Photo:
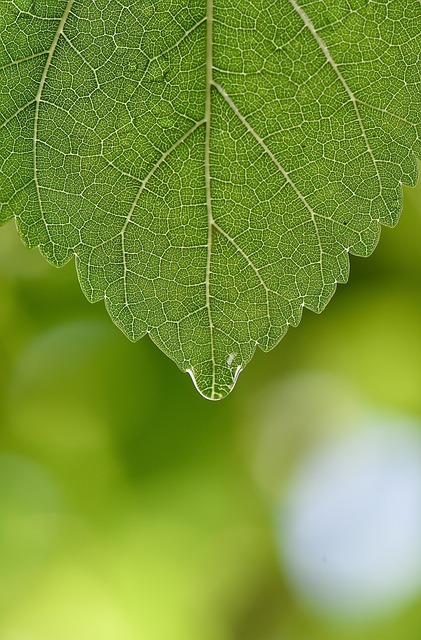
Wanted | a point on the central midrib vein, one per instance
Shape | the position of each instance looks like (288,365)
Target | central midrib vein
(208,116)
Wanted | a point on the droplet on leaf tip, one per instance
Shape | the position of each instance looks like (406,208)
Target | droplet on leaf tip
(216,393)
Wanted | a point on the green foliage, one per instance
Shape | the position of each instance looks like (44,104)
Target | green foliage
(210,165)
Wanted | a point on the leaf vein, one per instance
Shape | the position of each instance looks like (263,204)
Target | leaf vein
(323,46)
(285,174)
(37,107)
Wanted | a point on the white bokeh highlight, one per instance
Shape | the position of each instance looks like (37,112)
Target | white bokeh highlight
(349,527)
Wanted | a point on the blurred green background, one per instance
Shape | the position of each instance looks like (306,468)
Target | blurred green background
(131,508)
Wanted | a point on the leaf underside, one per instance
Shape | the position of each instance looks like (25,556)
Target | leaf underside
(210,164)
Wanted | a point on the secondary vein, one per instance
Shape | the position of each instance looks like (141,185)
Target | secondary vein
(334,65)
(38,101)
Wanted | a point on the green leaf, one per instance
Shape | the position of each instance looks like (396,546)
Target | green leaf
(210,165)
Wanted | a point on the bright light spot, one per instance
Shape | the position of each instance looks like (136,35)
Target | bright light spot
(350,528)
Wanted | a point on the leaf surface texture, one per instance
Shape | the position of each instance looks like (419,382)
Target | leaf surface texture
(210,164)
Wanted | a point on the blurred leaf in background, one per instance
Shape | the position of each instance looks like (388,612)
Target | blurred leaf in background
(131,508)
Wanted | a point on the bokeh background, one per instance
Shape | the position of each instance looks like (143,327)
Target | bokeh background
(133,509)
